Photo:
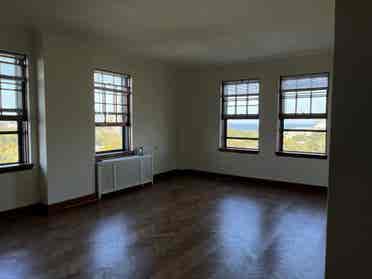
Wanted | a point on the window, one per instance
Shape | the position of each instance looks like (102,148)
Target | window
(14,140)
(240,115)
(112,93)
(303,115)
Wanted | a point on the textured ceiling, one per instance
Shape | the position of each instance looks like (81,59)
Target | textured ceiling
(193,31)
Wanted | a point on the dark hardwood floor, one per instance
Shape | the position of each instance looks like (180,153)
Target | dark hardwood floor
(182,227)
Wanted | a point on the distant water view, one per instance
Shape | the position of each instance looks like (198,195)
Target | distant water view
(247,125)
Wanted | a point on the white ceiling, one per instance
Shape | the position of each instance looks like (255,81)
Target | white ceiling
(193,31)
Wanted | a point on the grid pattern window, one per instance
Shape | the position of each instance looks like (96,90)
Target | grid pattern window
(13,113)
(303,114)
(112,95)
(240,115)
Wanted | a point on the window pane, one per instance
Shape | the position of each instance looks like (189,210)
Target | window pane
(289,84)
(10,84)
(241,101)
(10,70)
(230,105)
(321,81)
(109,108)
(109,98)
(8,126)
(290,106)
(252,109)
(108,79)
(98,108)
(244,103)
(305,142)
(301,82)
(109,139)
(230,101)
(242,144)
(8,99)
(110,118)
(304,82)
(242,128)
(253,104)
(229,89)
(242,88)
(305,124)
(119,109)
(7,59)
(306,101)
(241,110)
(98,98)
(303,102)
(119,99)
(289,102)
(98,77)
(319,102)
(254,87)
(118,80)
(9,149)
(230,110)
(100,118)
(10,95)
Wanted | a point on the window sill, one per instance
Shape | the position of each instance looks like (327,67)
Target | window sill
(237,150)
(113,155)
(302,155)
(15,167)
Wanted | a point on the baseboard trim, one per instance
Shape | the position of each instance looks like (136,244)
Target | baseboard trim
(214,175)
(167,174)
(76,202)
(33,209)
(131,189)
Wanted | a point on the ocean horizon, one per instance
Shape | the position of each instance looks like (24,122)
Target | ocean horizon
(298,124)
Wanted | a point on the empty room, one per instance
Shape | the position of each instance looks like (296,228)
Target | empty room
(185,139)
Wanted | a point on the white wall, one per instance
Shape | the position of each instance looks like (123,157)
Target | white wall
(69,112)
(21,188)
(198,135)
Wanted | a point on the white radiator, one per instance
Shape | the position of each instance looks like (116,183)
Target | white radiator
(121,173)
